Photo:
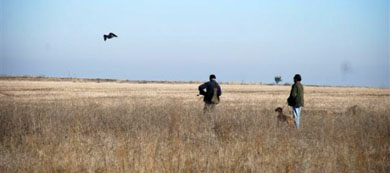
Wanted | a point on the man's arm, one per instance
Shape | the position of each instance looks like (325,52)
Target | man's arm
(219,91)
(303,98)
(294,91)
(201,89)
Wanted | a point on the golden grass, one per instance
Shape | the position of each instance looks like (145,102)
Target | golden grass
(64,126)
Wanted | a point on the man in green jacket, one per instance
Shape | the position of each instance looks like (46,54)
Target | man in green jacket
(296,100)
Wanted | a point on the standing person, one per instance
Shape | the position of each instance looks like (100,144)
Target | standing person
(211,95)
(295,100)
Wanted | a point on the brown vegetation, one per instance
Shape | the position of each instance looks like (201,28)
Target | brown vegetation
(56,126)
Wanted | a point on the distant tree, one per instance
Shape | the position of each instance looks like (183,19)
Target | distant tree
(278,79)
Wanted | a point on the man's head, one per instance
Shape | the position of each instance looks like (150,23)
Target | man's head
(297,78)
(212,77)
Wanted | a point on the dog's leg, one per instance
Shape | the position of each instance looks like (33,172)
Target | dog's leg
(290,122)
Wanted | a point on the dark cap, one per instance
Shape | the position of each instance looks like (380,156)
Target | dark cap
(212,76)
(297,77)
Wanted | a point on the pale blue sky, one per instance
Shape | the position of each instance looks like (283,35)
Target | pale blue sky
(332,42)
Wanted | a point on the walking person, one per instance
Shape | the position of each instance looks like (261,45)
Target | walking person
(295,100)
(211,95)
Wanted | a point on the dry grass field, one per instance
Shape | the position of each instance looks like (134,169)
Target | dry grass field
(65,126)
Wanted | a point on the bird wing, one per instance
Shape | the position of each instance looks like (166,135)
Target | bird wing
(113,34)
(105,37)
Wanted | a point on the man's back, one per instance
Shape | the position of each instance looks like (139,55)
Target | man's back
(297,94)
(208,94)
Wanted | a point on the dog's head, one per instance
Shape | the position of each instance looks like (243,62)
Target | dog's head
(279,109)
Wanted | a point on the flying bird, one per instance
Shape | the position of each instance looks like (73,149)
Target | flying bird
(109,36)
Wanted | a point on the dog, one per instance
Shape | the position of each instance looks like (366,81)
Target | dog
(284,118)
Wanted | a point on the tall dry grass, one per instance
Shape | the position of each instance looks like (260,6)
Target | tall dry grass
(122,127)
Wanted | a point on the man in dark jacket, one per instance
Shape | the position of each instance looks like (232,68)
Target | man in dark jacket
(211,95)
(296,100)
